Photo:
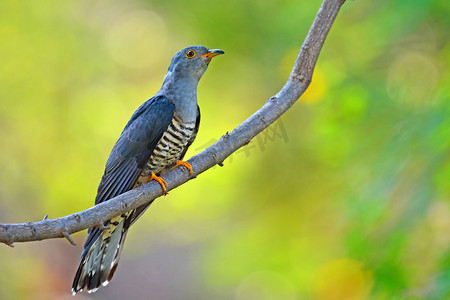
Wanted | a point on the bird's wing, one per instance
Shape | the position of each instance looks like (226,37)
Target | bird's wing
(134,147)
(132,151)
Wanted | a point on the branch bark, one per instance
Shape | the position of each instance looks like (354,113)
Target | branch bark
(296,85)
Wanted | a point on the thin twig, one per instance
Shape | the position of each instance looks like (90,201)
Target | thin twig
(69,238)
(9,244)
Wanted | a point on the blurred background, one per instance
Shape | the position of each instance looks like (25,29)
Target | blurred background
(347,196)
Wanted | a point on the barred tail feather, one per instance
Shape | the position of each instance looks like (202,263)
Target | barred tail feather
(100,260)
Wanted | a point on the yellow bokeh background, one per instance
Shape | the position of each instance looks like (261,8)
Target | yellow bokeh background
(345,197)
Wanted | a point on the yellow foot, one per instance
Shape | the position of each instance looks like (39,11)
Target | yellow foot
(183,163)
(161,181)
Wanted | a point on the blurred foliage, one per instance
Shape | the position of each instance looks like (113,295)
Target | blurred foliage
(346,197)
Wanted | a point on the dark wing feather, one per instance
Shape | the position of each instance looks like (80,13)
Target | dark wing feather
(134,147)
(132,151)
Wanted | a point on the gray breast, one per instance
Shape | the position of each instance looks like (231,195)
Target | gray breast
(169,148)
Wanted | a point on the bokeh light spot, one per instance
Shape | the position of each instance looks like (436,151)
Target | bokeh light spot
(316,90)
(319,85)
(138,39)
(438,216)
(412,79)
(342,279)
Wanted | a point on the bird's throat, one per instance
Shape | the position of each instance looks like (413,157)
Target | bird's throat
(182,92)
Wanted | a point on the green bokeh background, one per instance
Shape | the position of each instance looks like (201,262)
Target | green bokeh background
(345,197)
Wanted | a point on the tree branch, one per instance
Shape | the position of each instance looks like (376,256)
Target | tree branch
(296,85)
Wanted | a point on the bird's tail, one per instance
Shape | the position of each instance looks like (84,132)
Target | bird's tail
(100,257)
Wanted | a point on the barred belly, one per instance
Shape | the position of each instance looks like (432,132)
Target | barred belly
(169,148)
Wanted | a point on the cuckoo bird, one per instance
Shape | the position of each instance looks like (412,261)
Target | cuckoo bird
(154,140)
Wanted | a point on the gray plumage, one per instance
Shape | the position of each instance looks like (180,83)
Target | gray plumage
(158,134)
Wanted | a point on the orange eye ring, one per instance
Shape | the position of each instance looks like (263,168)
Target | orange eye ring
(190,53)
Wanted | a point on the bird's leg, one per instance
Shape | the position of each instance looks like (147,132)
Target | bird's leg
(183,163)
(161,181)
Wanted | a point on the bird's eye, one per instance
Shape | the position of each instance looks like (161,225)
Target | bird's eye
(190,53)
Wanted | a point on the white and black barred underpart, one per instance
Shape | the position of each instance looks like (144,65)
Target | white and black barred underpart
(170,148)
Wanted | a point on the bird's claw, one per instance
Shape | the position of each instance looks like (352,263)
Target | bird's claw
(161,181)
(183,163)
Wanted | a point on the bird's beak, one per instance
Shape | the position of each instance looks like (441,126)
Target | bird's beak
(213,52)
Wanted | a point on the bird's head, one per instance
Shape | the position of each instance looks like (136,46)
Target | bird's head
(192,61)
